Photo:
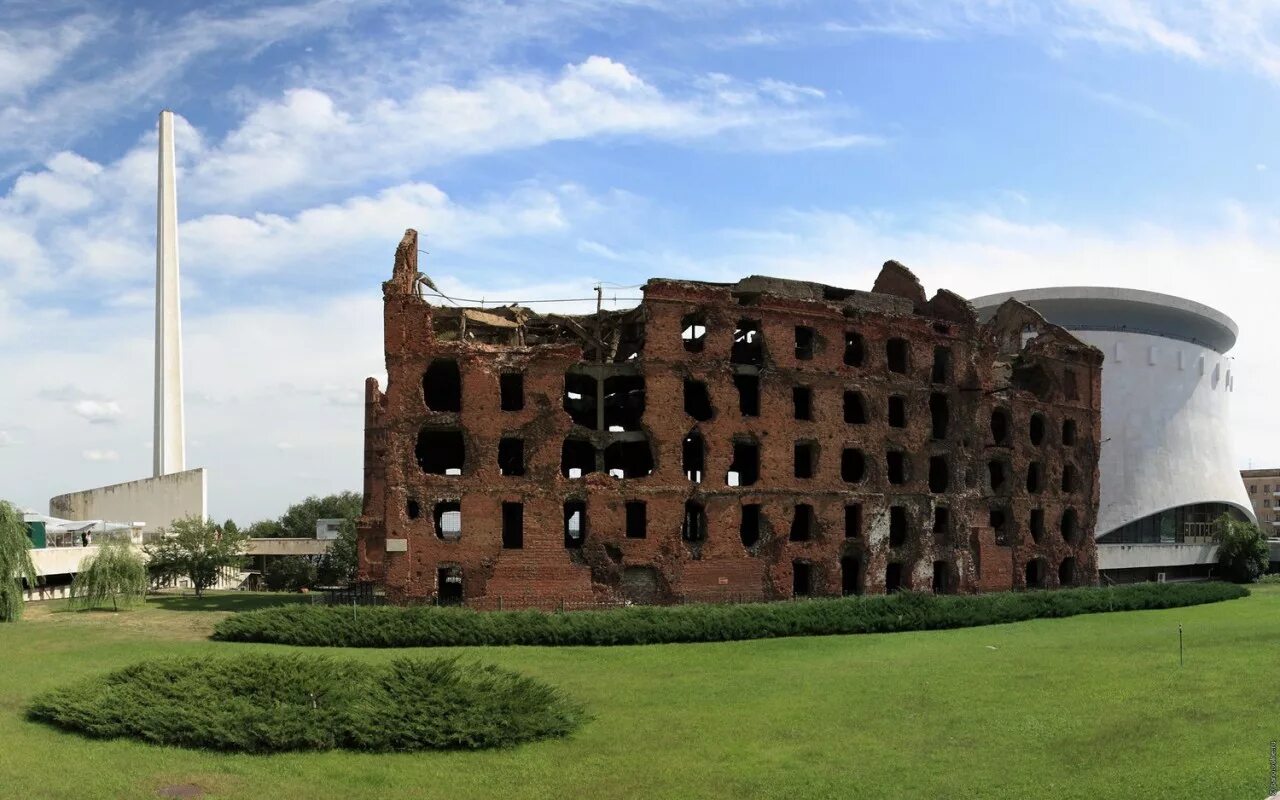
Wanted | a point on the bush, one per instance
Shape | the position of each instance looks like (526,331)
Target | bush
(389,626)
(1242,549)
(290,574)
(261,703)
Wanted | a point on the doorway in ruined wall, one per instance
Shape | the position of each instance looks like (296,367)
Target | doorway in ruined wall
(449,585)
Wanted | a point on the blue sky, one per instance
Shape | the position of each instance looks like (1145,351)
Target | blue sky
(541,147)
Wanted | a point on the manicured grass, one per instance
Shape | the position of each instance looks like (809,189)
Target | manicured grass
(426,626)
(1086,707)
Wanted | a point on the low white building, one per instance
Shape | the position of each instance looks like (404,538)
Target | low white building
(1166,467)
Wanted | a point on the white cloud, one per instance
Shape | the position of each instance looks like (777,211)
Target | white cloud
(28,56)
(100,455)
(7,439)
(307,139)
(98,412)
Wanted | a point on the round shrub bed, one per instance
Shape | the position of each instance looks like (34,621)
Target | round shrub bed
(264,703)
(389,626)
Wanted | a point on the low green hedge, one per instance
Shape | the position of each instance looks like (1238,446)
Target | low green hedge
(261,703)
(390,626)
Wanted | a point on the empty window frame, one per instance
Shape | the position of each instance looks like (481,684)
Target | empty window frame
(442,385)
(693,332)
(897,411)
(897,526)
(853,465)
(744,470)
(939,474)
(805,338)
(805,459)
(998,520)
(942,582)
(694,526)
(899,471)
(637,520)
(412,509)
(629,459)
(512,526)
(853,521)
(1070,526)
(802,523)
(802,402)
(1070,478)
(441,452)
(998,474)
(748,387)
(855,408)
(577,458)
(748,343)
(580,401)
(801,579)
(1035,477)
(855,348)
(575,524)
(511,391)
(893,578)
(697,400)
(448,519)
(511,456)
(897,354)
(749,525)
(1067,572)
(693,457)
(939,415)
(623,402)
(1070,390)
(1035,429)
(941,372)
(1068,432)
(850,575)
(1000,426)
(942,522)
(1035,574)
(1035,524)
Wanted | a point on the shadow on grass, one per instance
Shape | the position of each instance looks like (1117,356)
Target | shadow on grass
(223,601)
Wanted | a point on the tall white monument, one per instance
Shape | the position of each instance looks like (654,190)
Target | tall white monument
(169,449)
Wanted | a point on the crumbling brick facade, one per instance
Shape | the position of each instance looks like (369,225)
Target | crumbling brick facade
(751,441)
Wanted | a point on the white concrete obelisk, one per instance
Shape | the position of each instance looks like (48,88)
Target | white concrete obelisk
(169,449)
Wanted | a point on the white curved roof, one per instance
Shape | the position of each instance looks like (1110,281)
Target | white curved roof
(1108,308)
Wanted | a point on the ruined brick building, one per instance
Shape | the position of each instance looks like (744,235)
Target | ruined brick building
(760,440)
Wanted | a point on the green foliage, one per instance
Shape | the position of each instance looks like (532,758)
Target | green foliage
(388,626)
(1242,549)
(1272,578)
(338,566)
(299,519)
(197,549)
(231,527)
(117,573)
(261,703)
(15,562)
(289,574)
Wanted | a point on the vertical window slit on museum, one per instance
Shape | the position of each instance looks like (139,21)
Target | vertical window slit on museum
(896,461)
(697,400)
(744,470)
(939,415)
(850,575)
(854,348)
(801,579)
(853,521)
(806,458)
(694,527)
(897,411)
(941,372)
(802,402)
(897,355)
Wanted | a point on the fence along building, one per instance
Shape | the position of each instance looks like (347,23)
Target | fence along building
(760,440)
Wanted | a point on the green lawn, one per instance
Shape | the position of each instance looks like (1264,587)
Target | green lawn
(1085,707)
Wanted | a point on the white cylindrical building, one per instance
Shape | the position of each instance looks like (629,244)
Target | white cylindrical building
(1166,467)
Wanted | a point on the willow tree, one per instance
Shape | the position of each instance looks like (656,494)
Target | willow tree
(15,562)
(116,572)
